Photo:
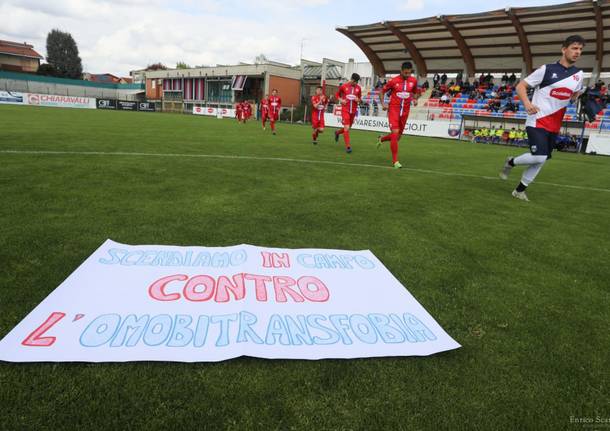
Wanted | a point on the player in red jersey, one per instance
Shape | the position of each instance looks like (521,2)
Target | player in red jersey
(238,111)
(275,105)
(319,102)
(246,110)
(403,91)
(264,111)
(349,96)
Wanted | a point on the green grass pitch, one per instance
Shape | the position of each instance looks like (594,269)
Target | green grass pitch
(524,287)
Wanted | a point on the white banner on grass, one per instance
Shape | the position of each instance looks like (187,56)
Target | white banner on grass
(209,111)
(438,129)
(56,101)
(599,144)
(190,304)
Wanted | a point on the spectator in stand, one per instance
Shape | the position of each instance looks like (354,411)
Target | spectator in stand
(443,78)
(459,78)
(599,84)
(482,79)
(493,94)
(473,95)
(493,105)
(425,85)
(504,78)
(444,99)
(436,80)
(489,79)
(512,79)
(509,107)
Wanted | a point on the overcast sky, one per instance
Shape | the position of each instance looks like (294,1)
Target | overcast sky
(118,36)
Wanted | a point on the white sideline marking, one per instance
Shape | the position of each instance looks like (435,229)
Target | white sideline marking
(280,159)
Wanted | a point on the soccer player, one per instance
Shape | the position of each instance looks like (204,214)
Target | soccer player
(265,111)
(349,96)
(556,84)
(275,105)
(238,111)
(319,102)
(246,110)
(403,91)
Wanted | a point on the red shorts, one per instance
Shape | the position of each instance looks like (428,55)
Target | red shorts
(396,120)
(347,119)
(274,117)
(317,120)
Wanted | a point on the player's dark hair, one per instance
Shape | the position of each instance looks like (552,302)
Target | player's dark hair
(320,87)
(355,77)
(575,38)
(406,65)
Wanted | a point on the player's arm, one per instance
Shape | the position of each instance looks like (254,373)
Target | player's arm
(339,96)
(416,94)
(387,87)
(579,91)
(531,81)
(522,88)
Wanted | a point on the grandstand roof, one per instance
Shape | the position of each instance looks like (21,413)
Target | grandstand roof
(503,40)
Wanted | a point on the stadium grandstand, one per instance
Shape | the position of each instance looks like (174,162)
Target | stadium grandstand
(475,60)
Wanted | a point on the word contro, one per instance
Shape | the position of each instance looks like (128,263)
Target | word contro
(184,330)
(201,288)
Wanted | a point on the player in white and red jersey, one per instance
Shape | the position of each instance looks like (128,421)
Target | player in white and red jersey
(349,96)
(556,85)
(403,92)
(319,102)
(275,106)
(264,110)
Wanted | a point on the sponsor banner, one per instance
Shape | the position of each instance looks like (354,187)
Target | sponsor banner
(106,103)
(146,106)
(213,112)
(60,101)
(439,129)
(125,105)
(599,144)
(192,304)
(13,98)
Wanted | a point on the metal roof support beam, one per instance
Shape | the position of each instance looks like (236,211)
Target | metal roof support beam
(462,45)
(599,43)
(422,68)
(370,54)
(525,46)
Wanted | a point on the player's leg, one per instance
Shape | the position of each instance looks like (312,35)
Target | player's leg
(314,126)
(541,146)
(264,121)
(345,123)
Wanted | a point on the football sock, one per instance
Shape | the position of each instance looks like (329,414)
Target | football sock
(394,147)
(346,137)
(521,187)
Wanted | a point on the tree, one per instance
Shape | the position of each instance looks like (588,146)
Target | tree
(182,65)
(156,66)
(46,69)
(261,59)
(62,54)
